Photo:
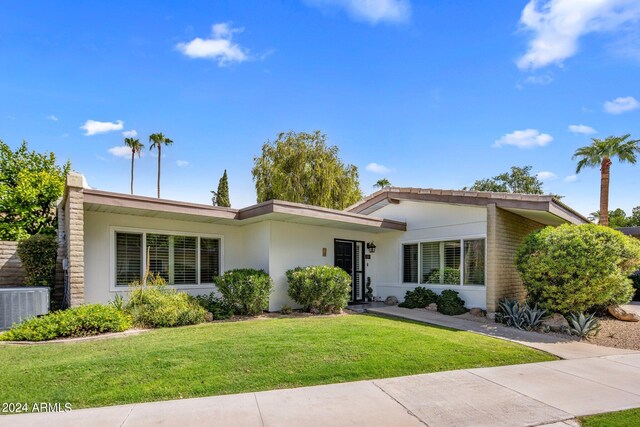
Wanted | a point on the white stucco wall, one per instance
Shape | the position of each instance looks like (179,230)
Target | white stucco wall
(425,221)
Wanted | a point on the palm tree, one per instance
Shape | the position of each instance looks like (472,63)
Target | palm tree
(382,183)
(136,148)
(157,141)
(600,152)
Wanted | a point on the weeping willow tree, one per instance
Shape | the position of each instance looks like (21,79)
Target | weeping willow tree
(302,168)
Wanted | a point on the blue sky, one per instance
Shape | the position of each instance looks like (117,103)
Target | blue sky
(425,93)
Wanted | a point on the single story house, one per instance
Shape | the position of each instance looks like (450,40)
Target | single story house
(400,238)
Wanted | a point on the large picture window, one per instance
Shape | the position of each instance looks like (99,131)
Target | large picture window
(180,260)
(447,262)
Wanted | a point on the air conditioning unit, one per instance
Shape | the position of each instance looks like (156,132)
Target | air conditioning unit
(17,304)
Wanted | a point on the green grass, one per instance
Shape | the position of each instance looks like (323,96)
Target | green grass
(234,357)
(630,418)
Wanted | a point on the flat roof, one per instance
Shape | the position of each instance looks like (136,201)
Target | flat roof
(105,201)
(534,206)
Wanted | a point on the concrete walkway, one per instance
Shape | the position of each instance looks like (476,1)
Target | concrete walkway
(519,395)
(558,345)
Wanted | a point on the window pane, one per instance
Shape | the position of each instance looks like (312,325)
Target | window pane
(128,258)
(474,262)
(209,260)
(431,272)
(451,267)
(184,260)
(158,250)
(410,266)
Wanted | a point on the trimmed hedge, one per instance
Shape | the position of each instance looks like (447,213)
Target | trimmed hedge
(577,268)
(323,288)
(158,306)
(218,307)
(450,303)
(246,290)
(80,321)
(38,256)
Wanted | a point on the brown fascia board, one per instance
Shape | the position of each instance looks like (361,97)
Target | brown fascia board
(474,198)
(150,203)
(268,207)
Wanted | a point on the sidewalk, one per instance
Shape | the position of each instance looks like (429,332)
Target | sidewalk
(519,395)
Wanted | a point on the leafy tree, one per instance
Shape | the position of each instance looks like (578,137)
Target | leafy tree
(618,218)
(30,184)
(382,183)
(518,180)
(600,153)
(300,167)
(222,195)
(157,140)
(136,148)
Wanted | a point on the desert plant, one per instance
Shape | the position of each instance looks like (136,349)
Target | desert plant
(80,321)
(218,307)
(420,297)
(157,305)
(323,288)
(38,257)
(532,316)
(511,313)
(577,267)
(582,325)
(246,289)
(369,290)
(450,303)
(118,302)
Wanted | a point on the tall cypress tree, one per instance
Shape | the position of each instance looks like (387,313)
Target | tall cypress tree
(222,195)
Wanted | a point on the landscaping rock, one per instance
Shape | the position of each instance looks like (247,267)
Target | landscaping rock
(478,312)
(391,300)
(433,307)
(620,314)
(556,323)
(209,316)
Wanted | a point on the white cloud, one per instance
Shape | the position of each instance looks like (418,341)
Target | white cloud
(621,105)
(120,151)
(376,168)
(52,118)
(130,133)
(557,26)
(583,129)
(93,127)
(546,176)
(541,80)
(571,178)
(182,163)
(219,47)
(527,138)
(372,11)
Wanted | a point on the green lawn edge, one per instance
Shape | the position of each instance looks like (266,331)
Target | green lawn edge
(628,418)
(245,356)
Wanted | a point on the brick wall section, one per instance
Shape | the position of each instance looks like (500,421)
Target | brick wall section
(11,271)
(505,231)
(74,239)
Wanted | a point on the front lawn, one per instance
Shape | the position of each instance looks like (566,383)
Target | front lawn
(630,418)
(234,357)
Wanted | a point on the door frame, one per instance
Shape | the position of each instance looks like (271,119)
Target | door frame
(353,268)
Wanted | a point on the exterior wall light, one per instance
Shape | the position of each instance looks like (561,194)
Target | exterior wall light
(372,247)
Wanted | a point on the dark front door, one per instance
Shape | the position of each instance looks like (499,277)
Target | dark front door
(349,256)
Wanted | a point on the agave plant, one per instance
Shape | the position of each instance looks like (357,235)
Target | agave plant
(532,317)
(511,313)
(582,325)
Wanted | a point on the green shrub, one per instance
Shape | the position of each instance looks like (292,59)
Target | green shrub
(286,310)
(320,288)
(38,257)
(217,306)
(80,321)
(418,298)
(577,267)
(158,306)
(246,289)
(450,303)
